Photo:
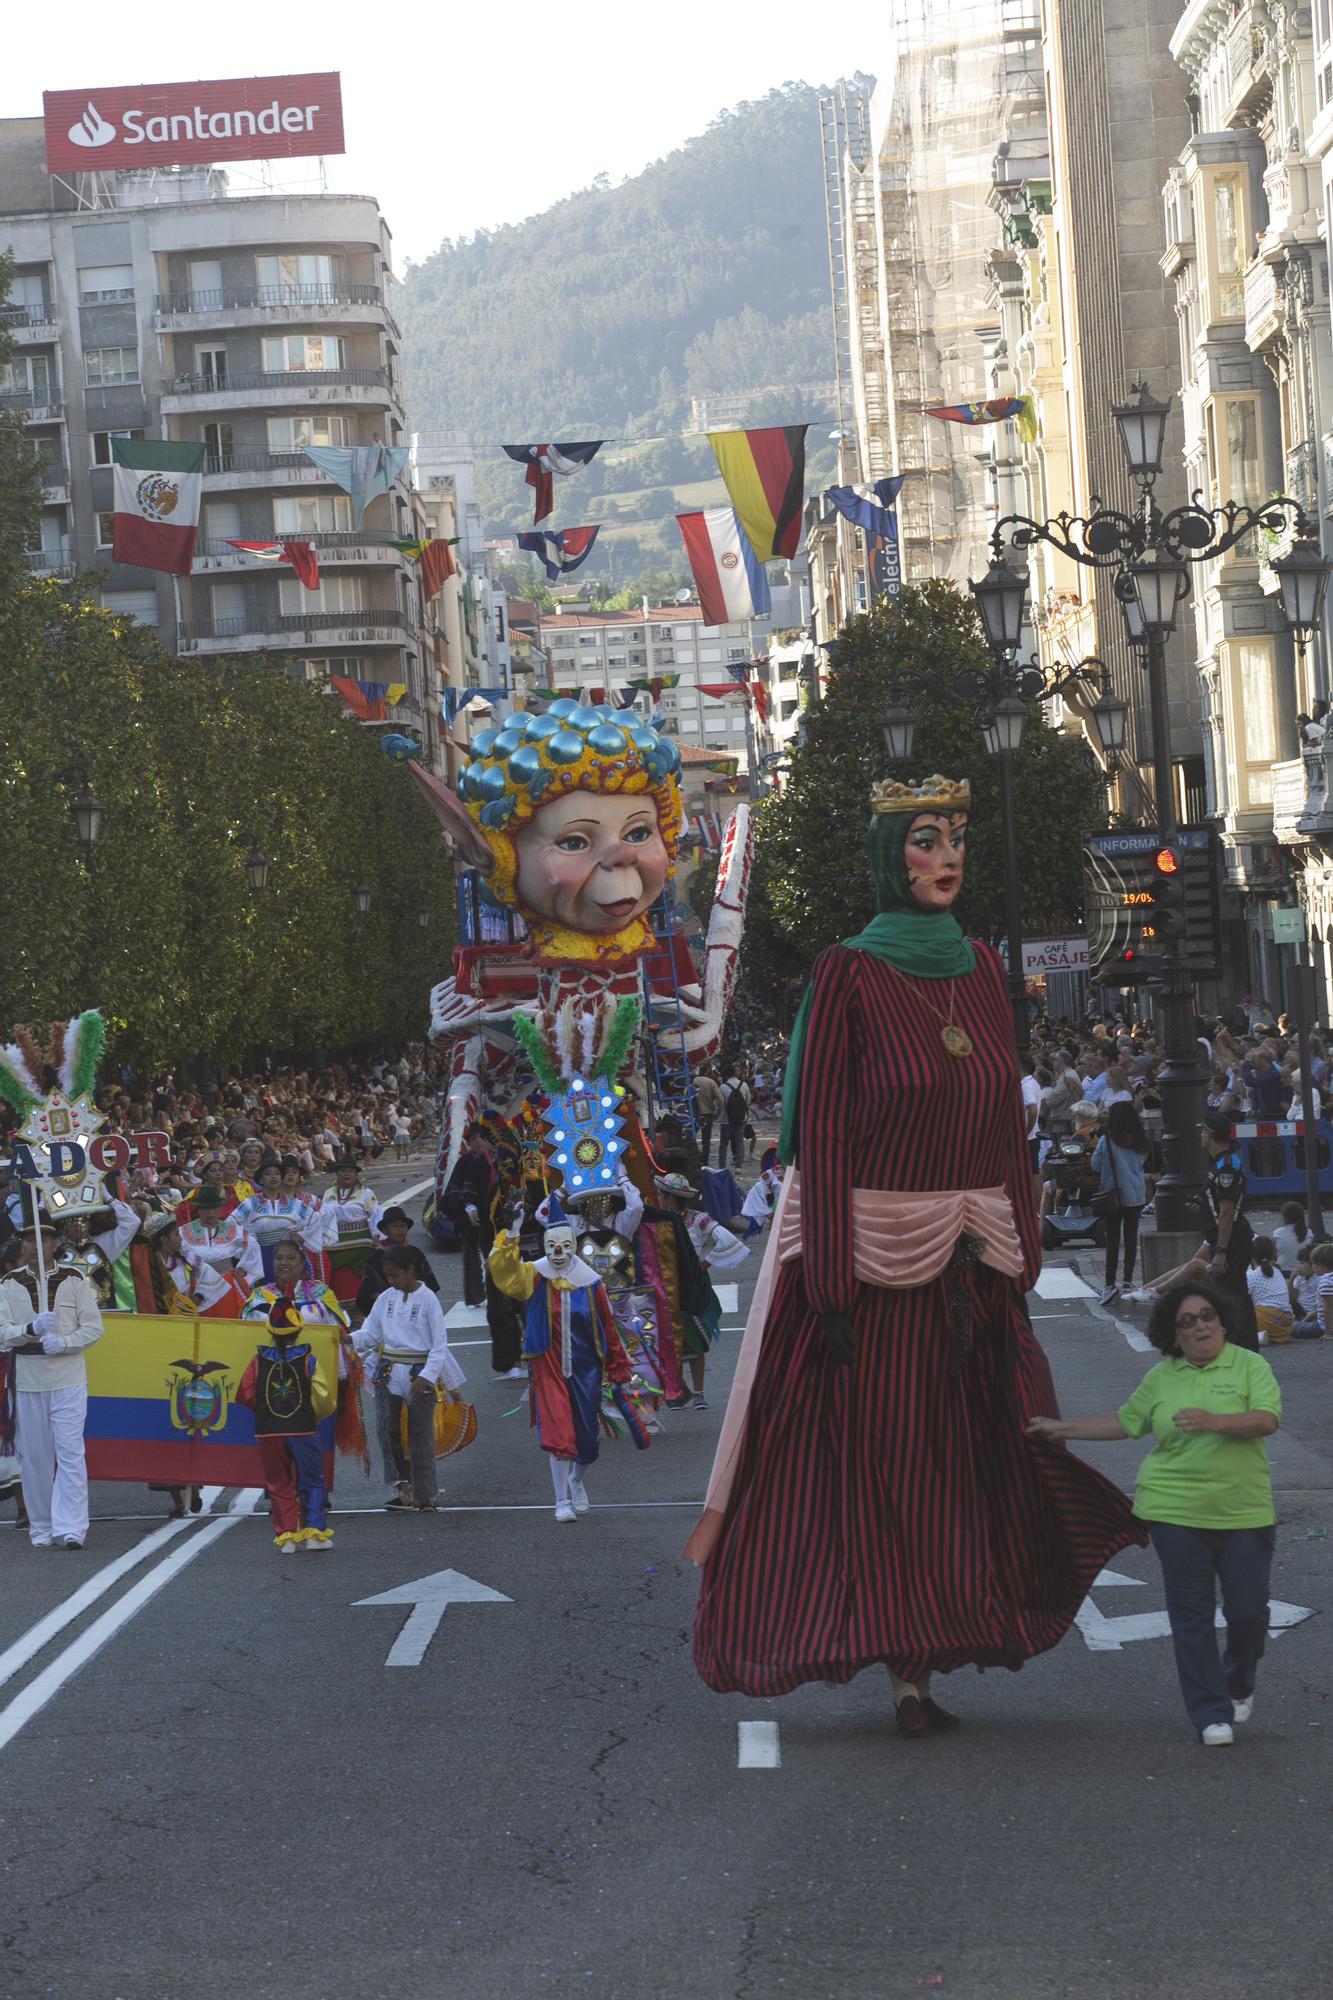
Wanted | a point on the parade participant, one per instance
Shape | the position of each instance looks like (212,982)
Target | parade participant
(51,1384)
(572,1345)
(467,1201)
(272,1217)
(875,1498)
(212,1173)
(203,1288)
(606,1221)
(1230,1237)
(1205,1491)
(288,1392)
(352,1225)
(250,1160)
(406,1333)
(700,1243)
(221,1242)
(395,1224)
(315,1303)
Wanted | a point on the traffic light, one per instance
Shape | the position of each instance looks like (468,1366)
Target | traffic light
(1167,919)
(1126,967)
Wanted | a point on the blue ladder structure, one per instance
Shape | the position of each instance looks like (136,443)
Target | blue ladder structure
(669,1076)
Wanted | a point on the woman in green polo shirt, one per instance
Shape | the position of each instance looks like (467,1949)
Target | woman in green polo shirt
(1205,1492)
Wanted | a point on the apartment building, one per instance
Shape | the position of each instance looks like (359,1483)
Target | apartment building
(1246,206)
(254,324)
(594,652)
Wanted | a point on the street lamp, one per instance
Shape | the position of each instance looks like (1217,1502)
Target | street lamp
(899,726)
(1002,598)
(256,870)
(1110,718)
(1142,427)
(1302,576)
(1150,552)
(362,894)
(88,811)
(423,917)
(1004,730)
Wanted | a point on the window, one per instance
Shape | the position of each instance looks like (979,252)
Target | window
(335,593)
(228,607)
(106,530)
(298,353)
(295,433)
(140,605)
(218,453)
(1242,428)
(222,521)
(1227,223)
(26,290)
(210,365)
(105,366)
(101,443)
(320,514)
(106,284)
(1258,731)
(28,376)
(205,283)
(295,279)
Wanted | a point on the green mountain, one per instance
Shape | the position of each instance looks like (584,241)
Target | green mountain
(703,275)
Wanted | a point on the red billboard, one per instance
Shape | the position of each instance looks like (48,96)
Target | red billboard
(193,124)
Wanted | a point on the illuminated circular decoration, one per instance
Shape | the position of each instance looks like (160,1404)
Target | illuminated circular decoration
(588,1152)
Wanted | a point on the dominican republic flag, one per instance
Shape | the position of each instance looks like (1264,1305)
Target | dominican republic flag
(301,556)
(543,461)
(874,509)
(561,552)
(157,491)
(728,575)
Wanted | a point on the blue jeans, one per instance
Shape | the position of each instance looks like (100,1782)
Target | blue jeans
(1307,1329)
(1194,1562)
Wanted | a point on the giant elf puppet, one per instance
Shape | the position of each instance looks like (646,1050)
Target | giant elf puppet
(571,819)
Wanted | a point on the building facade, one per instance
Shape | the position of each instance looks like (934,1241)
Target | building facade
(254,325)
(596,653)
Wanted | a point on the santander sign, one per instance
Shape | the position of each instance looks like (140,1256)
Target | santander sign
(193,124)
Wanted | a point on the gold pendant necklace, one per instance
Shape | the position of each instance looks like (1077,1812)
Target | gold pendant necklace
(956,1040)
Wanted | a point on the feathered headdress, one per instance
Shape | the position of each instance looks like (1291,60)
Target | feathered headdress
(68,1062)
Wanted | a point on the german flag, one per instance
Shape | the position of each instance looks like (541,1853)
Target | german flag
(765,478)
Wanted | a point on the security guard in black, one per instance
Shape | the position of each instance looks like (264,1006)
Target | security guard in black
(1229,1232)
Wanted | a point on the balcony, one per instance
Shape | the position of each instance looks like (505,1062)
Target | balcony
(387,627)
(1303,799)
(351,546)
(32,407)
(1248,72)
(1301,472)
(29,326)
(279,389)
(1264,309)
(230,471)
(54,476)
(267,305)
(51,562)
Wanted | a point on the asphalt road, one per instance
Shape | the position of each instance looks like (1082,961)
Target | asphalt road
(231,1796)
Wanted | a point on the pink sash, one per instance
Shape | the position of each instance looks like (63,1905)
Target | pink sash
(899,1241)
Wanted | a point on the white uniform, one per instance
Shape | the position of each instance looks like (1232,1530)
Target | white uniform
(52,1403)
(409,1327)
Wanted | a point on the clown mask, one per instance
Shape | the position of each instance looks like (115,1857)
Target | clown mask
(558,1243)
(592,863)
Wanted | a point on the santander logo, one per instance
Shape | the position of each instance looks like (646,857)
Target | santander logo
(92,129)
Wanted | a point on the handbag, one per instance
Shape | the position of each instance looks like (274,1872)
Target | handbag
(455,1423)
(1108,1201)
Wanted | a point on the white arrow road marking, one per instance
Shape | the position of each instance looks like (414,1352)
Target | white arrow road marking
(757,1746)
(430,1597)
(1110,1635)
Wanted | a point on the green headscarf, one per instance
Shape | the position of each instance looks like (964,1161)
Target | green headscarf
(928,944)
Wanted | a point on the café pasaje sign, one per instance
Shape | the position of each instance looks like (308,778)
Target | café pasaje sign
(193,124)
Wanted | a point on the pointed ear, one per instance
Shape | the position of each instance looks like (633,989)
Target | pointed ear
(455,818)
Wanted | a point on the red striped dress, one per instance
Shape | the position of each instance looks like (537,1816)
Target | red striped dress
(894,1511)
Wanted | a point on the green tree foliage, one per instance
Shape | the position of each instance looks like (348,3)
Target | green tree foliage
(812,883)
(20,484)
(194,760)
(639,294)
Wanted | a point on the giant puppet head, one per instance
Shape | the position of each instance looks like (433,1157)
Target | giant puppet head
(574,816)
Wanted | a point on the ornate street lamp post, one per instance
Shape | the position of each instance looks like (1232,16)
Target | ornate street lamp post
(1151,553)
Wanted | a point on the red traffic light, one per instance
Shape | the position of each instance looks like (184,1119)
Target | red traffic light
(1128,955)
(1167,861)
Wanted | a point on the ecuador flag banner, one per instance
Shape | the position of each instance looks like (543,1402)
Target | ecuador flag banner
(765,477)
(162,1400)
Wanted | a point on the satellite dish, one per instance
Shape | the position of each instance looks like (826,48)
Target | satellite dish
(684,596)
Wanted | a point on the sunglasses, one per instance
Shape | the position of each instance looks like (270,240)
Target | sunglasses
(1205,1317)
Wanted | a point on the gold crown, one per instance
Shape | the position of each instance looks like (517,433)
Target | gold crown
(937,794)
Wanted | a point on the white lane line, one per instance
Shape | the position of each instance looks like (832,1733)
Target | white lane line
(98,1584)
(524,1507)
(461,1315)
(1057,1281)
(34,1698)
(757,1746)
(409,1194)
(247,1500)
(728,1297)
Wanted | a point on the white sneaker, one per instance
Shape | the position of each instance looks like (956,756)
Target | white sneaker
(287,1549)
(1242,1710)
(1109,1292)
(318,1548)
(578,1494)
(514,1375)
(1218,1736)
(564,1512)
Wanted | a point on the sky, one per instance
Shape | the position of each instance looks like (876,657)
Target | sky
(460,118)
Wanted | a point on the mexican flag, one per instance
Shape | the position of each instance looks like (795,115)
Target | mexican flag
(157,488)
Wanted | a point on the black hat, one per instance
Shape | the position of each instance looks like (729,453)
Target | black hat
(1219,1123)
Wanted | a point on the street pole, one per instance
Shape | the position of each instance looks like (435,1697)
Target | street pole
(1180,1189)
(1013,923)
(1305,1010)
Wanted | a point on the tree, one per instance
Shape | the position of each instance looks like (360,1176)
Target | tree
(814,884)
(195,759)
